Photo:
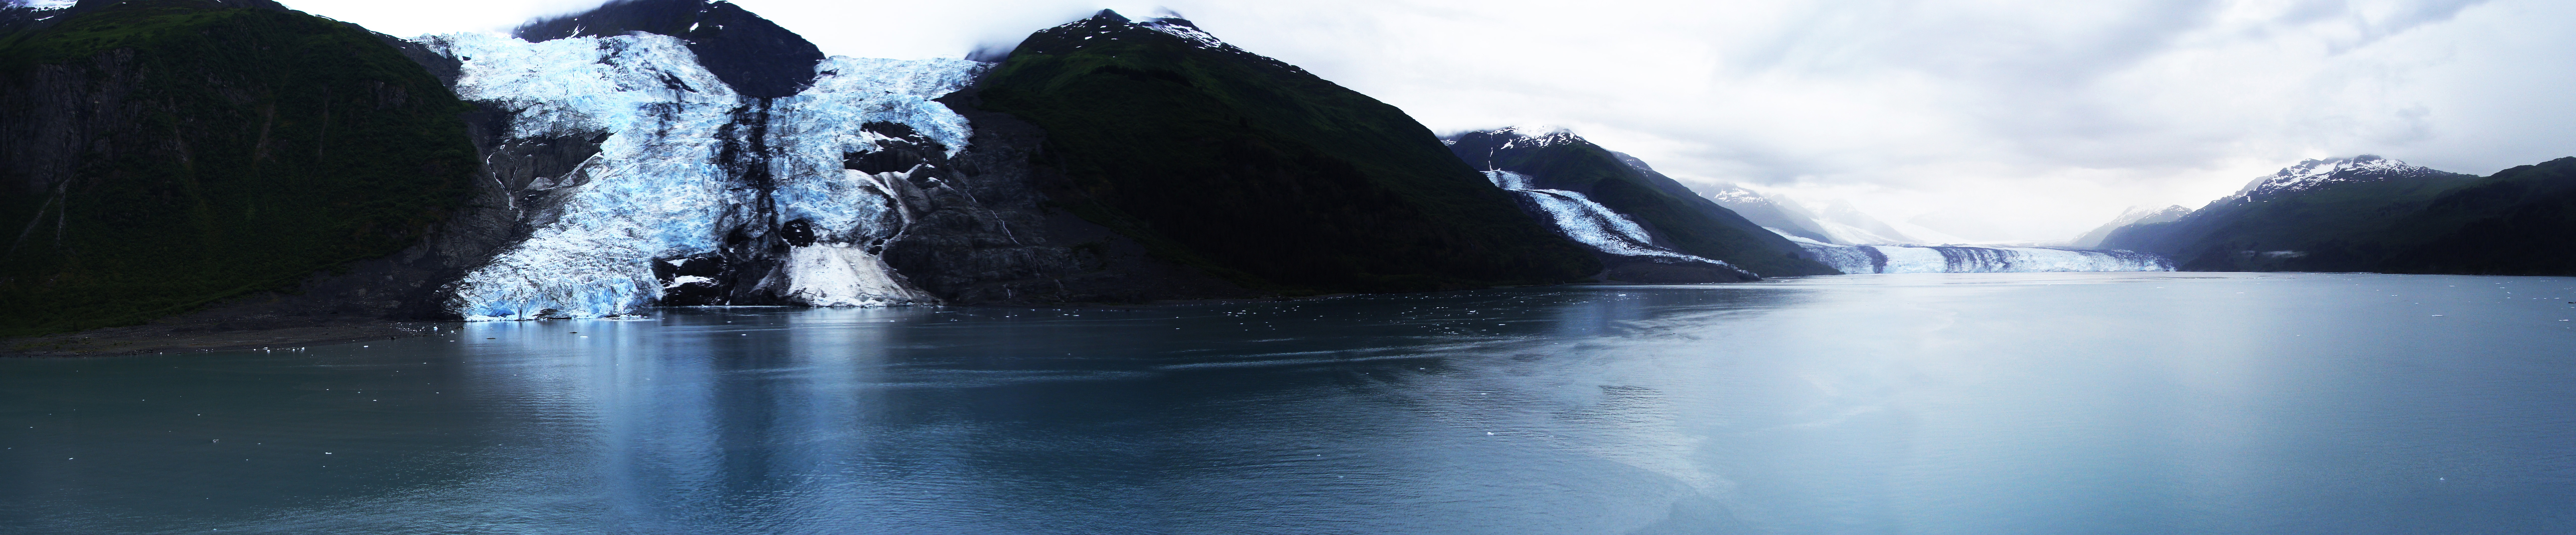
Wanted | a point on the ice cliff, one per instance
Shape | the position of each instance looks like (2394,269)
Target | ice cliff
(1867,259)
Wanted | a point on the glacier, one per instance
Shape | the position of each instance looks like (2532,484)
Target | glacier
(1590,223)
(1867,259)
(687,165)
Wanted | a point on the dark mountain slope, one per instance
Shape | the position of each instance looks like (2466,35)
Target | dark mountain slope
(1258,171)
(755,56)
(1672,212)
(2521,221)
(166,154)
(2321,215)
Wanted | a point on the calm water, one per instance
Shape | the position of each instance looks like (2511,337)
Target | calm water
(1971,404)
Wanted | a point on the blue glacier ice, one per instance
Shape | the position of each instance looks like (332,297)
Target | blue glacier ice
(657,190)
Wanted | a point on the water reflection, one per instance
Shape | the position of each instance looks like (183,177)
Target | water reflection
(2130,403)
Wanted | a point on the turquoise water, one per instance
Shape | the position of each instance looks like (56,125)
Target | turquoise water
(1964,403)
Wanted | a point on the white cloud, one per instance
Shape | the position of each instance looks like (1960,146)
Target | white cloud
(1994,120)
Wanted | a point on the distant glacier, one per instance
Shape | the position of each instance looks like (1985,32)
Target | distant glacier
(1868,259)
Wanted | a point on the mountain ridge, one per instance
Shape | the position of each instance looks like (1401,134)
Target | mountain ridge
(1258,171)
(2364,213)
(1676,216)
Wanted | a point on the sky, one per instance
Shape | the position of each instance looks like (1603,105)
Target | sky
(1987,120)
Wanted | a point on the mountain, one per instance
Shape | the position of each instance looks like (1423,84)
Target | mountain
(2340,214)
(1258,171)
(1780,216)
(2519,221)
(1649,226)
(1848,225)
(166,154)
(636,174)
(265,168)
(2132,215)
(754,56)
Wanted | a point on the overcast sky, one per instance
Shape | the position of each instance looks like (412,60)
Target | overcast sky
(1988,120)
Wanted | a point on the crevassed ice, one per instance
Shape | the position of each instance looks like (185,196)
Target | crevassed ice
(1588,222)
(811,131)
(655,189)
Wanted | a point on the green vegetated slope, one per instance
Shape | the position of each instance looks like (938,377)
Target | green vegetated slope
(1670,210)
(2519,221)
(1260,172)
(166,154)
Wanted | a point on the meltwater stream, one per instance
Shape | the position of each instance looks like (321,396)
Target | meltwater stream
(2144,403)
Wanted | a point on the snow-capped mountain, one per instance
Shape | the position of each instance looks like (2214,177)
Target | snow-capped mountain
(2311,174)
(1847,224)
(1780,215)
(2324,215)
(2132,215)
(1841,223)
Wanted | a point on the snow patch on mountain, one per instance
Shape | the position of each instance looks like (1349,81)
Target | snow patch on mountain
(2309,174)
(1541,137)
(1734,194)
(657,189)
(43,5)
(1184,29)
